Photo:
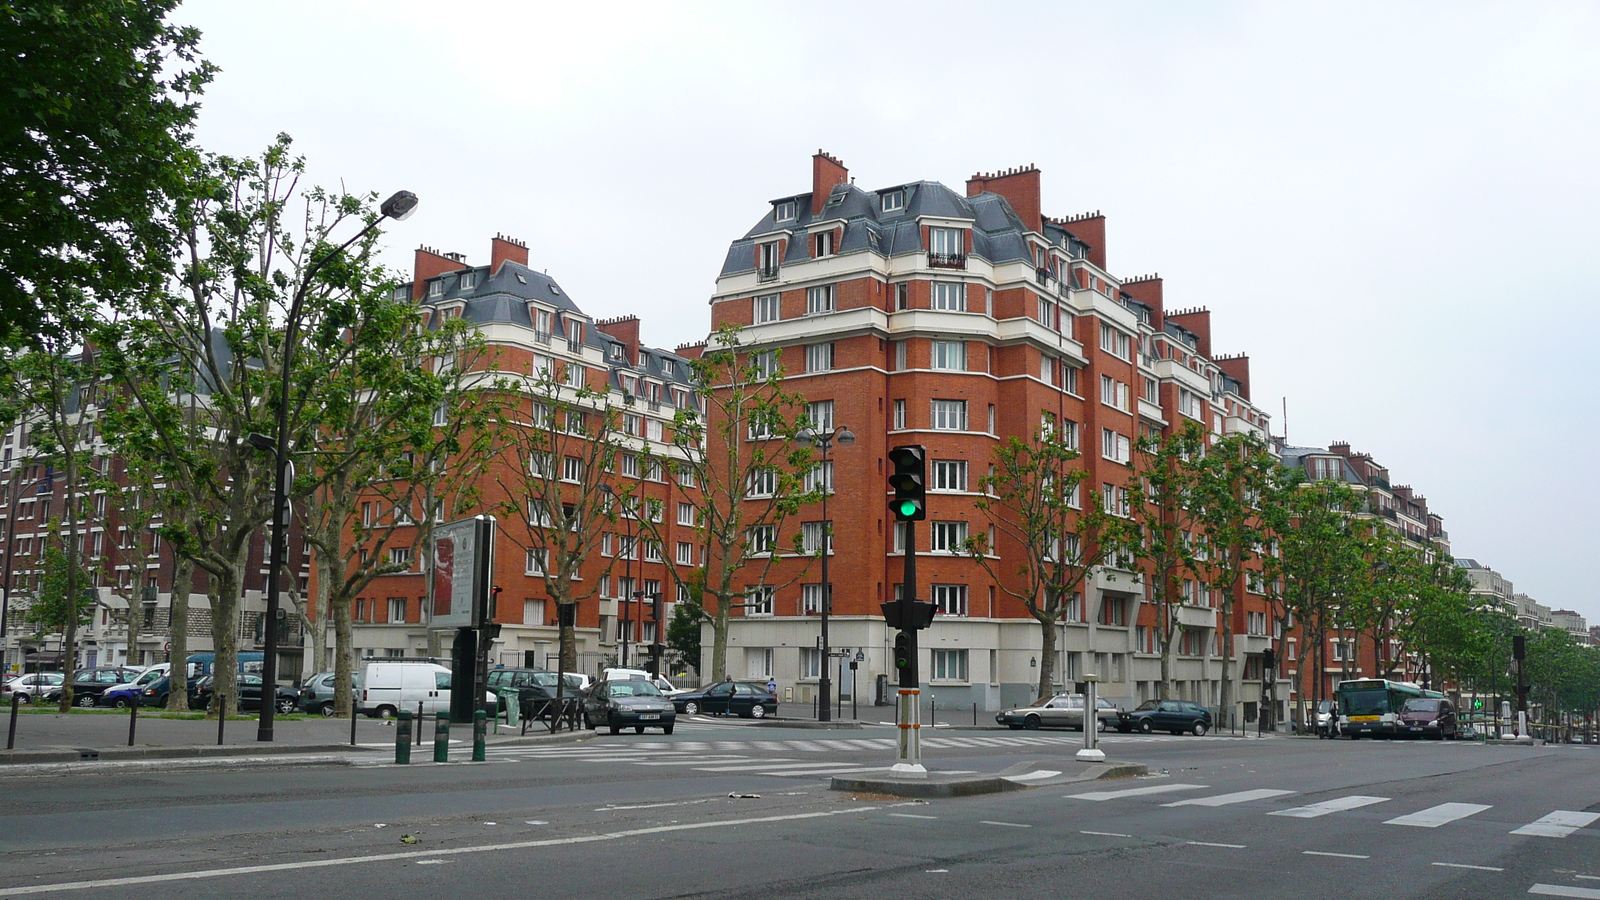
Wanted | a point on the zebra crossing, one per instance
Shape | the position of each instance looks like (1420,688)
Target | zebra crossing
(1557,824)
(699,758)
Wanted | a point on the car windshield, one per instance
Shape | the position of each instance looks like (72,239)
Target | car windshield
(1148,704)
(634,689)
(1421,704)
(1365,703)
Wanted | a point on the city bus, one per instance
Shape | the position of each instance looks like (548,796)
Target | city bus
(1372,705)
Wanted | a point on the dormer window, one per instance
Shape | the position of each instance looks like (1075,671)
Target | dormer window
(468,279)
(784,211)
(436,289)
(822,244)
(893,201)
(401,293)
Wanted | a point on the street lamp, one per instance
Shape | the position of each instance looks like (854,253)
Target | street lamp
(398,207)
(825,442)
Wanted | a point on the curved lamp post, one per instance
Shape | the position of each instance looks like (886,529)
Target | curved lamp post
(398,207)
(825,442)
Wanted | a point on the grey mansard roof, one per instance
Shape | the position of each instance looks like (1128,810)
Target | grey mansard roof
(997,232)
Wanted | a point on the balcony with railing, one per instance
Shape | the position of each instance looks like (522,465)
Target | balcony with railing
(1042,276)
(574,345)
(766,273)
(947,260)
(542,337)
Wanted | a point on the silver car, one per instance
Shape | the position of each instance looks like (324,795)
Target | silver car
(28,688)
(1060,711)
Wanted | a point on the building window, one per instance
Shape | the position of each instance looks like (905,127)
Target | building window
(820,478)
(468,279)
(814,536)
(685,553)
(1069,380)
(1188,404)
(949,475)
(765,363)
(652,551)
(950,296)
(1115,342)
(810,663)
(948,537)
(763,482)
(630,464)
(397,609)
(898,363)
(759,599)
(949,665)
(951,599)
(950,355)
(536,561)
(819,299)
(577,376)
(950,415)
(899,415)
(892,201)
(810,599)
(761,540)
(1047,370)
(571,468)
(1113,393)
(947,247)
(767,309)
(686,514)
(819,357)
(769,260)
(1113,611)
(1114,446)
(758,662)
(398,556)
(784,211)
(1047,313)
(436,289)
(1151,390)
(822,244)
(820,415)
(902,295)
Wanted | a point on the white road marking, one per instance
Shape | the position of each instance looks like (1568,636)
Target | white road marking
(1230,799)
(1004,824)
(1443,814)
(1034,776)
(1339,855)
(834,770)
(1559,824)
(1135,792)
(1561,890)
(1209,844)
(1466,866)
(911,816)
(412,854)
(766,765)
(1329,806)
(1107,834)
(695,761)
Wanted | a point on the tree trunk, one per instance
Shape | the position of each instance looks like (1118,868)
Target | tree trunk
(225,591)
(318,625)
(178,656)
(567,643)
(69,644)
(344,658)
(719,642)
(1228,698)
(1047,656)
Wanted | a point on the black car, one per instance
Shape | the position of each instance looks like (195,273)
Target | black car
(633,703)
(728,698)
(1429,717)
(249,688)
(1176,716)
(535,690)
(155,693)
(89,684)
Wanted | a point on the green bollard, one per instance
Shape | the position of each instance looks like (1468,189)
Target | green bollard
(402,738)
(480,728)
(441,737)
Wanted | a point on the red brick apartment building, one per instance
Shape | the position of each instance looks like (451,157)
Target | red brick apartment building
(531,324)
(919,314)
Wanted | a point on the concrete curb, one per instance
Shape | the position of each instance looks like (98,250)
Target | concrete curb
(935,786)
(110,754)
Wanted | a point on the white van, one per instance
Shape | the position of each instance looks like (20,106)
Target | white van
(662,684)
(389,687)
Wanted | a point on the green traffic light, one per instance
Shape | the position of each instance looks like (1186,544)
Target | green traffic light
(908,507)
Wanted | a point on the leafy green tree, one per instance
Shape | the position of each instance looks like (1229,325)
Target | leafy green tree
(1056,533)
(683,632)
(100,104)
(62,599)
(1166,489)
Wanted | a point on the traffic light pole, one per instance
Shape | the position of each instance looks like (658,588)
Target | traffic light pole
(908,759)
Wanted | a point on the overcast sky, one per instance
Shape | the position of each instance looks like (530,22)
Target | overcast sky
(1392,209)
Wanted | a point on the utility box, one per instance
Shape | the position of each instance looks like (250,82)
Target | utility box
(880,694)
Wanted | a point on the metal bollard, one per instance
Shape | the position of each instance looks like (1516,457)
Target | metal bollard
(11,733)
(419,723)
(354,711)
(222,716)
(133,719)
(402,738)
(974,714)
(441,737)
(480,725)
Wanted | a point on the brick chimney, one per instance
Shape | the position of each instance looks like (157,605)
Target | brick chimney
(1147,289)
(1197,320)
(1091,229)
(430,262)
(1340,447)
(624,329)
(691,351)
(1019,186)
(826,172)
(503,248)
(1236,367)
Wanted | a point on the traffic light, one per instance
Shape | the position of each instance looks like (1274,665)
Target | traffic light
(1269,660)
(908,614)
(494,602)
(902,651)
(909,480)
(657,609)
(1519,647)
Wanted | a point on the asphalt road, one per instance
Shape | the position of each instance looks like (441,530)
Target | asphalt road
(650,816)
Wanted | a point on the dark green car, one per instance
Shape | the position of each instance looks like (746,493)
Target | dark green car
(1176,716)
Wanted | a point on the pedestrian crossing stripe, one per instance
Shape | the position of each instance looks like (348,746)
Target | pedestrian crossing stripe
(1558,824)
(1443,814)
(1341,804)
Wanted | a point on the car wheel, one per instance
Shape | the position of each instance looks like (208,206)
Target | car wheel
(666,729)
(1146,726)
(1199,729)
(120,703)
(327,710)
(1031,723)
(691,708)
(26,698)
(85,701)
(1102,726)
(616,728)
(758,711)
(285,707)
(384,712)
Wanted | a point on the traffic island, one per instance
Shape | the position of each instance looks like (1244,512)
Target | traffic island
(1017,778)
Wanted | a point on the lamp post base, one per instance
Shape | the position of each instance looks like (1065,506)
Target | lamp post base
(824,698)
(1091,756)
(908,759)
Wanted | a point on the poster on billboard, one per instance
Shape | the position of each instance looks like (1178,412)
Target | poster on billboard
(463,553)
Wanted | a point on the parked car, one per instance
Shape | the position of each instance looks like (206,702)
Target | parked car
(1176,716)
(249,687)
(533,690)
(663,685)
(728,698)
(632,702)
(155,693)
(126,694)
(89,684)
(1060,711)
(30,687)
(388,687)
(1430,717)
(316,695)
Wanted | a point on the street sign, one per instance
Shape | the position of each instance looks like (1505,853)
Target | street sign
(463,555)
